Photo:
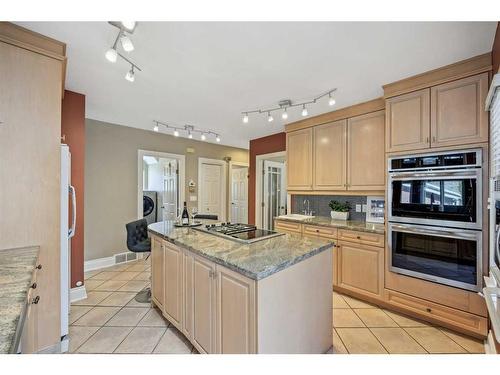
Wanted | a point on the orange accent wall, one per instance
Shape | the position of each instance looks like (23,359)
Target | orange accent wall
(259,146)
(73,130)
(496,51)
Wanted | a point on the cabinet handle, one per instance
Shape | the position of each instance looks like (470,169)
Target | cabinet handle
(36,300)
(428,309)
(317,230)
(33,286)
(358,237)
(39,267)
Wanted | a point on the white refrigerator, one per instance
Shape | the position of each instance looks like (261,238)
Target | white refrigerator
(68,226)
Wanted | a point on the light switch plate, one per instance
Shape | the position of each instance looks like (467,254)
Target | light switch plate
(364,208)
(193,198)
(358,208)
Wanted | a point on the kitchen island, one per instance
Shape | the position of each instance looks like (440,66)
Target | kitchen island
(269,296)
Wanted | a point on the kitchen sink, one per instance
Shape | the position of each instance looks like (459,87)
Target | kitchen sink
(295,217)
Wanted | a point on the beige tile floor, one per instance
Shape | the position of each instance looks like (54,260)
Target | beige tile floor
(109,320)
(362,328)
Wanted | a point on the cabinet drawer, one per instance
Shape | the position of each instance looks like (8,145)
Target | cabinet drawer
(287,226)
(365,238)
(324,232)
(446,315)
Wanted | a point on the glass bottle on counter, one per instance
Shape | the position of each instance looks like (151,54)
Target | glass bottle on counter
(185,215)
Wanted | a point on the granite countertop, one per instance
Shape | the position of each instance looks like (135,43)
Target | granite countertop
(324,221)
(256,260)
(16,271)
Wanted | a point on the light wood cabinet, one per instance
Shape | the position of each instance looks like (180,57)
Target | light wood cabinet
(283,226)
(365,152)
(408,121)
(172,305)
(236,329)
(187,295)
(299,159)
(329,170)
(157,272)
(204,305)
(361,269)
(457,112)
(319,231)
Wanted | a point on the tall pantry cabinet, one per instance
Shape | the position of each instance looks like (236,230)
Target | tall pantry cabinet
(32,70)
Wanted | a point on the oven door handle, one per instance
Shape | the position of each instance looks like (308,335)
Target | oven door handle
(455,234)
(447,173)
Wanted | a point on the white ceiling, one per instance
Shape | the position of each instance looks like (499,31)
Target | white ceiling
(206,74)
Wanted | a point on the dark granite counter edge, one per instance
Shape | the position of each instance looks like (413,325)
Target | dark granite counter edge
(338,226)
(251,275)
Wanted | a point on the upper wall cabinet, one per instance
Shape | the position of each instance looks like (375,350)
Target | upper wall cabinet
(407,121)
(365,152)
(300,159)
(450,114)
(457,112)
(330,156)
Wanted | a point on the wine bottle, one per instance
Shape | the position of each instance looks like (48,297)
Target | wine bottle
(185,215)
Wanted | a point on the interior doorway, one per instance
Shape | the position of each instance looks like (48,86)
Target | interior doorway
(212,186)
(271,189)
(238,190)
(160,185)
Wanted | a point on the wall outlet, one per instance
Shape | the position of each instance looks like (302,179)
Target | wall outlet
(358,208)
(364,207)
(193,198)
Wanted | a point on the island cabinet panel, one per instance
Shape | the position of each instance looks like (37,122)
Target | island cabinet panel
(188,294)
(235,313)
(457,112)
(299,159)
(172,305)
(365,152)
(330,156)
(204,294)
(408,121)
(157,272)
(361,269)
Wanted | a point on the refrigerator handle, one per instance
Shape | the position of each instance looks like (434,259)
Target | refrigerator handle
(71,232)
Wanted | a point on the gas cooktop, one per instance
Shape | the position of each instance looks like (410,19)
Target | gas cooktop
(245,233)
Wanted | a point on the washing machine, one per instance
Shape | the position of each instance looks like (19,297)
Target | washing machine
(149,206)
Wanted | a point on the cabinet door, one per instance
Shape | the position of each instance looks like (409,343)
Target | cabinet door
(361,268)
(299,159)
(204,305)
(236,330)
(330,156)
(188,285)
(365,152)
(457,112)
(172,305)
(408,121)
(157,271)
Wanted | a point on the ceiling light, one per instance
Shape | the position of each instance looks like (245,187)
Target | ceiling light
(269,117)
(130,76)
(284,115)
(304,110)
(190,135)
(111,55)
(331,101)
(245,118)
(127,44)
(217,138)
(176,133)
(129,25)
(203,136)
(156,128)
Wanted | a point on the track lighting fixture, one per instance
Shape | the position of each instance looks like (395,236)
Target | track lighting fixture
(112,54)
(128,25)
(189,129)
(176,133)
(284,105)
(190,135)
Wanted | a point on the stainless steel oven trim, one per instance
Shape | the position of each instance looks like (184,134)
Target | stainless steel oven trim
(479,160)
(495,250)
(445,175)
(442,232)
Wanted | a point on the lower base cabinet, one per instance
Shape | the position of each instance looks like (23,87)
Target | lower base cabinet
(173,270)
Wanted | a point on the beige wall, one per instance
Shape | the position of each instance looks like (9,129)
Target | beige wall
(111,178)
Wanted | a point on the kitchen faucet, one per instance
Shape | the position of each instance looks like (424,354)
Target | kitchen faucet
(307,211)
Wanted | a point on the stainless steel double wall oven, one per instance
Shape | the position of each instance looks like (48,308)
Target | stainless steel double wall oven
(435,217)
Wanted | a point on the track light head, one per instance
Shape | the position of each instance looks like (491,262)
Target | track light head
(128,25)
(127,44)
(130,76)
(176,133)
(269,117)
(331,100)
(156,128)
(203,137)
(217,138)
(245,118)
(304,110)
(111,55)
(284,115)
(190,135)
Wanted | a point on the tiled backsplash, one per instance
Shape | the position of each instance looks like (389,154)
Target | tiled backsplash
(319,204)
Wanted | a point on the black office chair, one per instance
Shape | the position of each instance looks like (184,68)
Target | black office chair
(138,242)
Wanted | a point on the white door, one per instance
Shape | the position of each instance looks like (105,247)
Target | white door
(239,195)
(274,192)
(212,190)
(170,202)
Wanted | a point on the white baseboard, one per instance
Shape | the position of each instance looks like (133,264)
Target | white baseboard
(77,294)
(96,264)
(489,344)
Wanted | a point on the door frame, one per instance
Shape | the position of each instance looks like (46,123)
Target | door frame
(259,159)
(231,166)
(224,183)
(181,159)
